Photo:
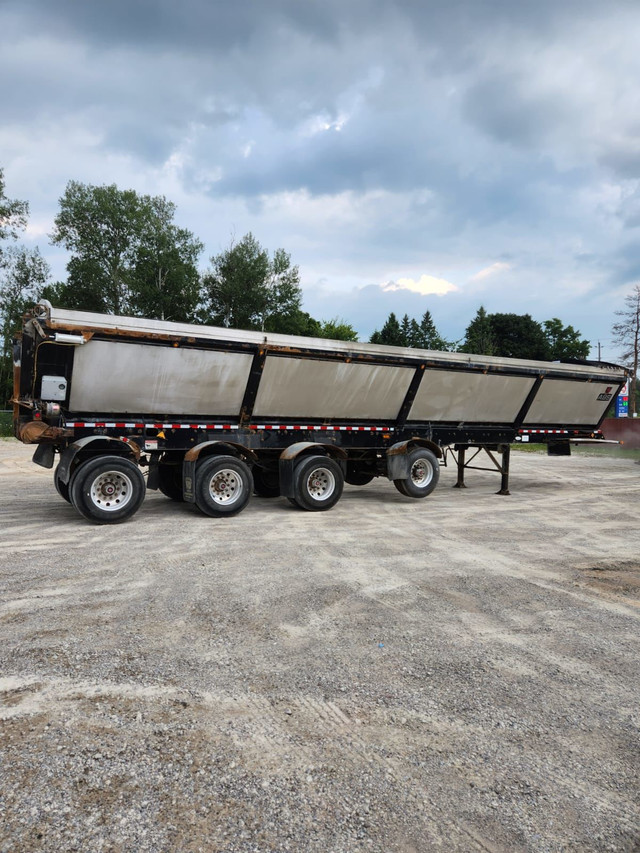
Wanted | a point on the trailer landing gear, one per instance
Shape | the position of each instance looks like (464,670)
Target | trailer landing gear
(459,452)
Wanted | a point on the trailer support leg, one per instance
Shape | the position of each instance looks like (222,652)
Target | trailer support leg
(460,482)
(504,469)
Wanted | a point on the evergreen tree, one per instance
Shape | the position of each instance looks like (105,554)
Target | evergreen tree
(390,334)
(478,337)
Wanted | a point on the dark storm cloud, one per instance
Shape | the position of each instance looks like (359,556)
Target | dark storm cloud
(419,135)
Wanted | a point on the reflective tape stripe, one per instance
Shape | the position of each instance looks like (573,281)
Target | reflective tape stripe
(279,427)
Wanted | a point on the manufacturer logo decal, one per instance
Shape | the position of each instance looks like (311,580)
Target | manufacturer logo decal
(606,396)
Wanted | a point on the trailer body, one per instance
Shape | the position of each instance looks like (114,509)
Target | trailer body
(215,414)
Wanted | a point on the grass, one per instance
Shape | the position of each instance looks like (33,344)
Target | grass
(6,423)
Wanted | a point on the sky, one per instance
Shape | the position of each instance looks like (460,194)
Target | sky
(410,156)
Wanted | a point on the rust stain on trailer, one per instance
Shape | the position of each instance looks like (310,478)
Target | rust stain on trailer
(35,432)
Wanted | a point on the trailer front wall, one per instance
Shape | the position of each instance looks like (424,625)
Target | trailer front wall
(110,376)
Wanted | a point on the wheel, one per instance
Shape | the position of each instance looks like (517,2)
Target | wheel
(318,483)
(424,473)
(266,483)
(170,480)
(107,489)
(223,485)
(61,488)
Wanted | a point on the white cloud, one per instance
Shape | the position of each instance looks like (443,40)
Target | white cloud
(494,269)
(426,285)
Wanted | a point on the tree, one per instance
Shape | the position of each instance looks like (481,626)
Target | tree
(166,282)
(13,216)
(478,337)
(518,336)
(626,335)
(245,289)
(390,334)
(337,330)
(430,338)
(101,227)
(128,256)
(564,341)
(410,333)
(23,278)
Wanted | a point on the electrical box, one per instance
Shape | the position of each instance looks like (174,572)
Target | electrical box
(53,388)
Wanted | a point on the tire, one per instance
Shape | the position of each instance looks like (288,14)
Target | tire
(170,481)
(266,483)
(107,489)
(61,488)
(318,483)
(424,473)
(223,486)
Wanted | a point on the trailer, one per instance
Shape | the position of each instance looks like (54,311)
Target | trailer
(214,415)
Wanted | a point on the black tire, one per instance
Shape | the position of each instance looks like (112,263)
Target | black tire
(223,485)
(266,483)
(107,489)
(318,483)
(170,481)
(424,473)
(61,488)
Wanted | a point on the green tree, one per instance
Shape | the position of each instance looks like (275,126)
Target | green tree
(519,336)
(166,282)
(246,289)
(13,216)
(390,334)
(478,337)
(410,333)
(626,335)
(127,255)
(101,227)
(337,330)
(430,338)
(22,280)
(564,341)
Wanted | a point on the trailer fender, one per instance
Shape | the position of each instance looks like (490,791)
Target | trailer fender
(88,446)
(209,448)
(397,464)
(290,456)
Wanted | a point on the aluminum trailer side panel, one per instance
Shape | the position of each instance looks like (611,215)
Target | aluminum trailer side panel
(570,403)
(447,395)
(109,376)
(308,388)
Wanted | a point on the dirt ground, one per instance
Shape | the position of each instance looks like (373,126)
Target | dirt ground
(459,673)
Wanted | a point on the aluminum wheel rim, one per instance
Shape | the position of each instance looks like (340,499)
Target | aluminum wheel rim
(226,487)
(421,473)
(111,491)
(321,484)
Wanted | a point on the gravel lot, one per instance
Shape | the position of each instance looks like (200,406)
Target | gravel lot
(456,674)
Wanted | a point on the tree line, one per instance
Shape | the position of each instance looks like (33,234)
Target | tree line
(127,255)
(507,335)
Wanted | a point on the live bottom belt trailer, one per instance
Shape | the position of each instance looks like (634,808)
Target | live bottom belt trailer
(215,415)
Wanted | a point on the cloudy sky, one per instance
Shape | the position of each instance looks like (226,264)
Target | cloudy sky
(414,154)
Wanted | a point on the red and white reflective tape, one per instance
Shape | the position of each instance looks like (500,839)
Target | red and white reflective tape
(276,427)
(123,425)
(318,428)
(546,431)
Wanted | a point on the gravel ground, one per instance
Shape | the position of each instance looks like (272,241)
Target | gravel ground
(457,674)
